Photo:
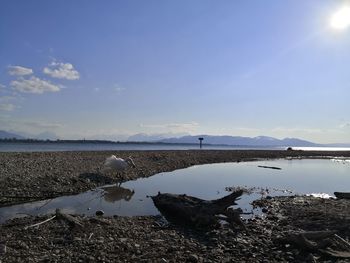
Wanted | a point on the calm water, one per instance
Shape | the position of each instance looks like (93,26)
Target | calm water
(54,147)
(205,181)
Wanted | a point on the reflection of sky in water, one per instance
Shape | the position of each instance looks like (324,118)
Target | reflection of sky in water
(205,181)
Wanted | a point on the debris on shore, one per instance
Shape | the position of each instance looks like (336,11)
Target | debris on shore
(286,232)
(270,167)
(197,212)
(294,229)
(342,195)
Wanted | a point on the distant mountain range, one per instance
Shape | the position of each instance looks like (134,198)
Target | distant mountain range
(19,135)
(9,135)
(144,137)
(190,139)
(241,141)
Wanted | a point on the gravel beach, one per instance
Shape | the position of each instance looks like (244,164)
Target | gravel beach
(35,176)
(41,175)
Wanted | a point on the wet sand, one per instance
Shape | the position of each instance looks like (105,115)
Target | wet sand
(33,176)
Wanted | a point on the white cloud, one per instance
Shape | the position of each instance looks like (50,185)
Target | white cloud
(61,71)
(34,85)
(19,71)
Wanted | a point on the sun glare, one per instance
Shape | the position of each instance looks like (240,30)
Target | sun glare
(340,20)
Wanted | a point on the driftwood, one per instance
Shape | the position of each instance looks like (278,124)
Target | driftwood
(270,167)
(336,253)
(309,240)
(70,219)
(59,215)
(195,211)
(342,241)
(40,223)
(327,242)
(343,248)
(342,195)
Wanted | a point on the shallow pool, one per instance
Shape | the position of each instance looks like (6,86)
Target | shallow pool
(210,181)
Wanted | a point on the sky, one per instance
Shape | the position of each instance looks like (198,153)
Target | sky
(110,69)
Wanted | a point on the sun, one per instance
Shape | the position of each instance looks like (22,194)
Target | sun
(340,20)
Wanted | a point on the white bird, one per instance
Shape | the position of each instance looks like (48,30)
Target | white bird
(118,165)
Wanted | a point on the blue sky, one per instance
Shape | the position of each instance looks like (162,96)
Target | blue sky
(109,69)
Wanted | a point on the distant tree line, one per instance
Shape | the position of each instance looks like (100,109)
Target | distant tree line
(16,140)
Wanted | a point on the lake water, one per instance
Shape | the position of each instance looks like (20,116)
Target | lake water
(67,146)
(58,147)
(209,182)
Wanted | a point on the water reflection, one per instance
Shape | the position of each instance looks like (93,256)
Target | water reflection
(117,193)
(207,182)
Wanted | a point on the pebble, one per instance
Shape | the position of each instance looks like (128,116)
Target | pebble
(136,236)
(193,258)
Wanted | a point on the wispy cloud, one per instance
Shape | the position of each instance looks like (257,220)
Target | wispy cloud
(287,130)
(344,125)
(118,88)
(173,127)
(61,71)
(19,71)
(4,106)
(34,85)
(6,103)
(7,122)
(42,124)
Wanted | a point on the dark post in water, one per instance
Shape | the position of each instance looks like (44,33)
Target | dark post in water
(200,142)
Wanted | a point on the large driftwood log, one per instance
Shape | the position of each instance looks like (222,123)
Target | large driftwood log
(196,211)
(342,195)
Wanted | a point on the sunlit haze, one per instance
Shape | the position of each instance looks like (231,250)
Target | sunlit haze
(112,69)
(341,19)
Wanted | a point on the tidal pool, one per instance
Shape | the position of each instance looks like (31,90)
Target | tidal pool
(296,176)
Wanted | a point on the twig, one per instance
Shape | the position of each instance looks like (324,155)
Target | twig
(90,236)
(342,240)
(46,203)
(37,224)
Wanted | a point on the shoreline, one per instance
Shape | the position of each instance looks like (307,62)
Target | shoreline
(149,238)
(29,176)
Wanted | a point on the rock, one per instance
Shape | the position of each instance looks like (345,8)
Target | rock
(2,248)
(311,259)
(123,239)
(56,241)
(193,258)
(99,212)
